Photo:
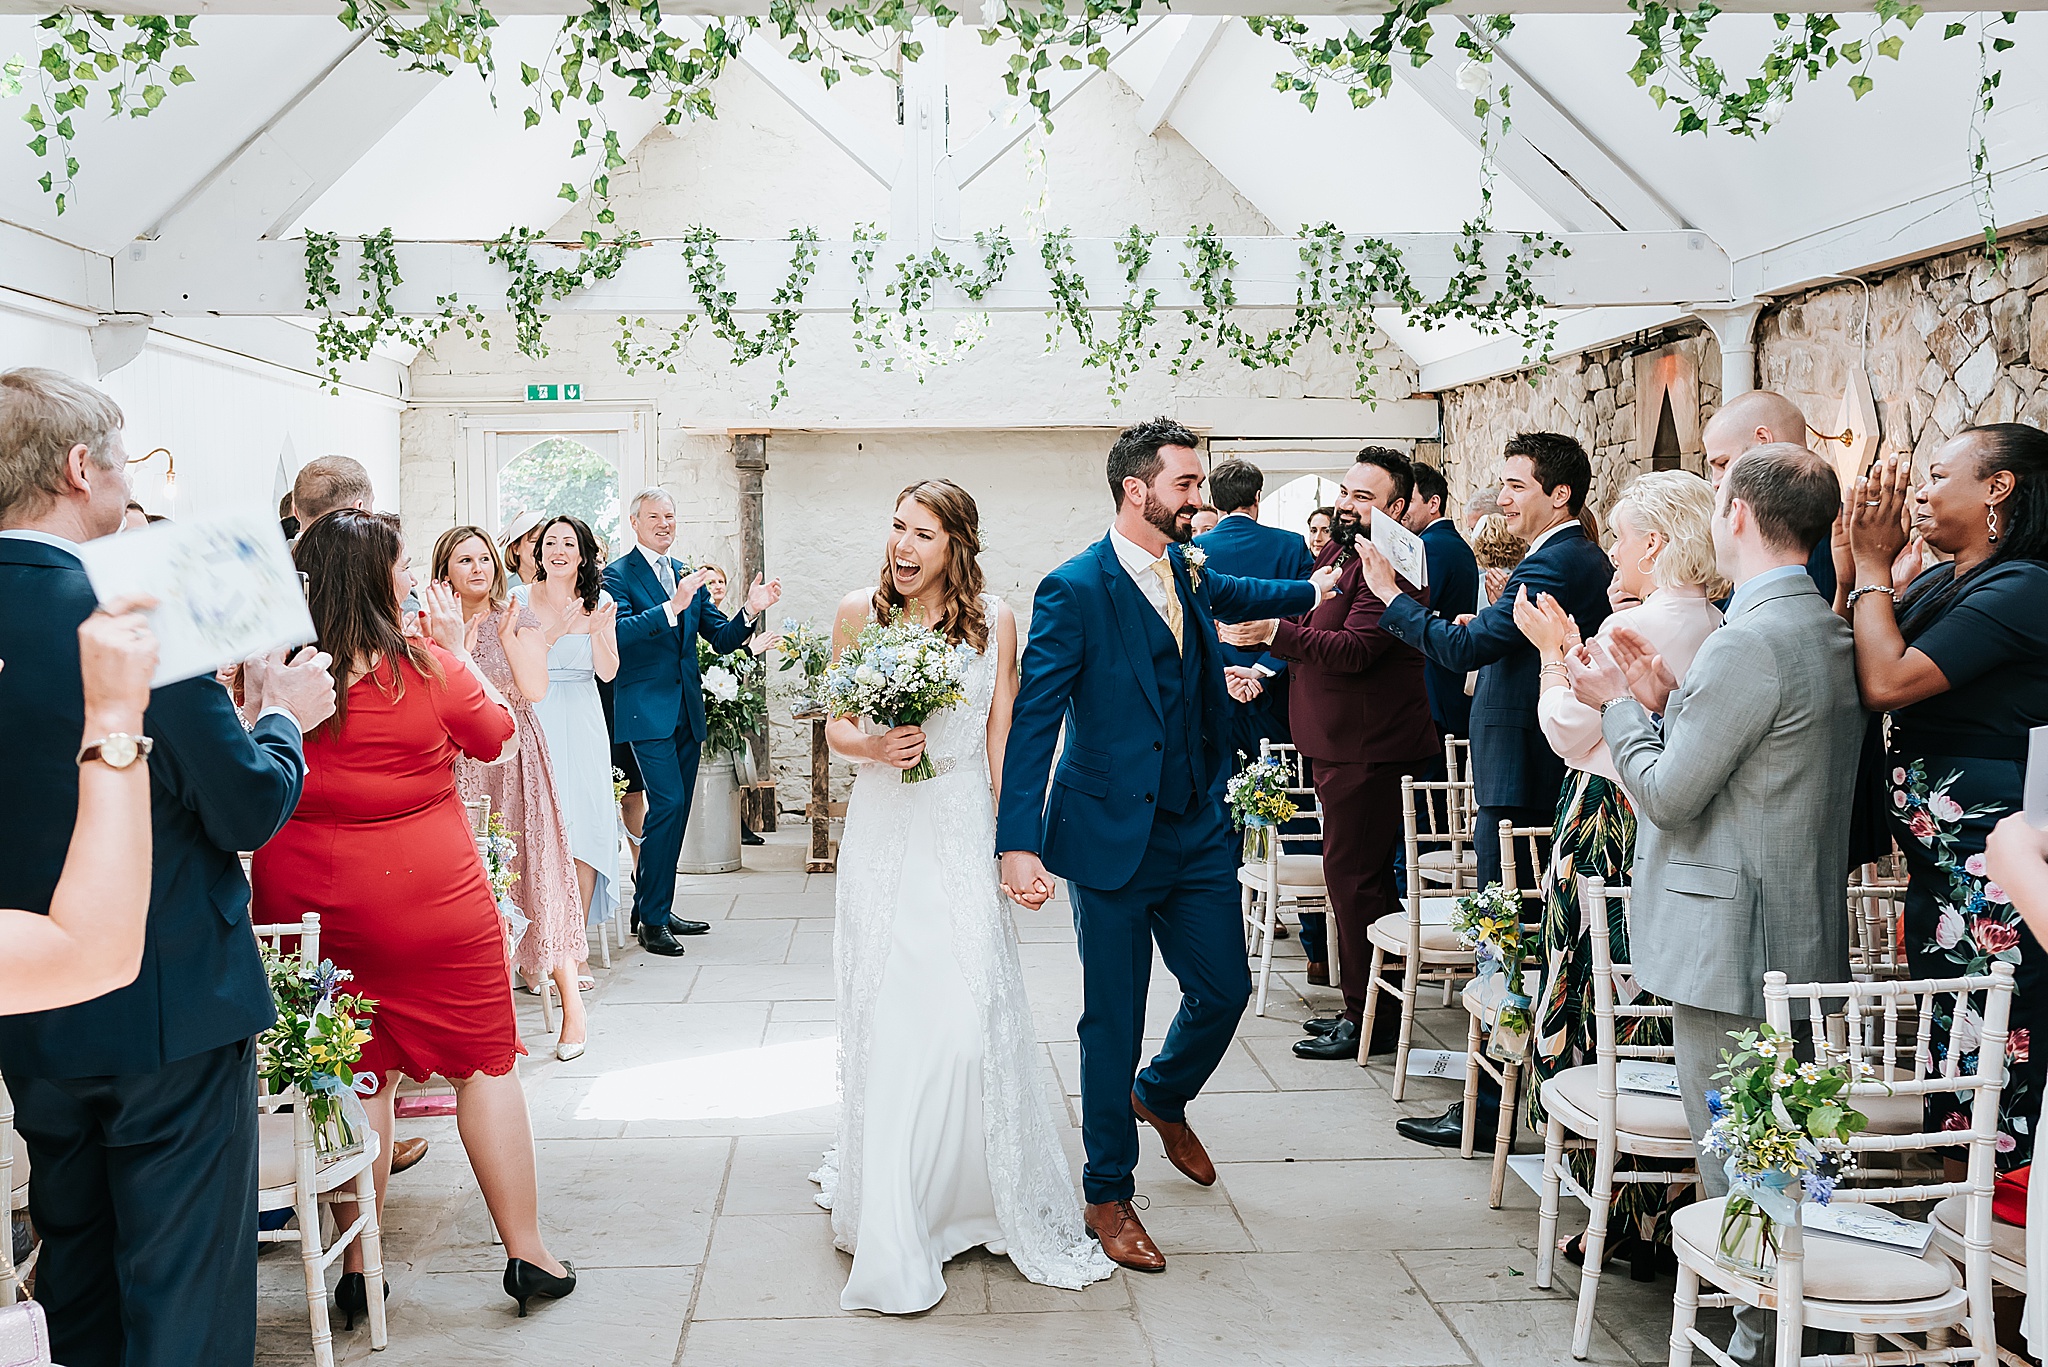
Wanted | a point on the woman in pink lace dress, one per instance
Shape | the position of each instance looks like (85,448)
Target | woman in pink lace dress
(508,645)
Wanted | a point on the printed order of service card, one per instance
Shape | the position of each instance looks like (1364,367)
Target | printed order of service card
(226,590)
(1402,548)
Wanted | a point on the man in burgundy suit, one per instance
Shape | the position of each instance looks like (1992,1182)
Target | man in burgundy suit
(1360,710)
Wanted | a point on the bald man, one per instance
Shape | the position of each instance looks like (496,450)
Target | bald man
(1759,418)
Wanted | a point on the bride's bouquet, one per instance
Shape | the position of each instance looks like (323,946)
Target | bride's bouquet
(898,673)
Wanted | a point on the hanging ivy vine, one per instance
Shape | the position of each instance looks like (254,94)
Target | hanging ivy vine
(126,58)
(715,309)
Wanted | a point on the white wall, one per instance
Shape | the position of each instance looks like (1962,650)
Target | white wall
(227,420)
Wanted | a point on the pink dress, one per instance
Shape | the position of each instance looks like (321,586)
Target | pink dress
(523,790)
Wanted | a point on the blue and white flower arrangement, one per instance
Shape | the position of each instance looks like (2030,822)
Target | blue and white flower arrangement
(897,674)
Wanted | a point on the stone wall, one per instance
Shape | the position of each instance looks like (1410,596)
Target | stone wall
(1952,343)
(1590,395)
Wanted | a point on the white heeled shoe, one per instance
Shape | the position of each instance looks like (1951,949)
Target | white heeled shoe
(566,1052)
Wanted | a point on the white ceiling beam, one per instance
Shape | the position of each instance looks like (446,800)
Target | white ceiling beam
(36,264)
(1190,50)
(1580,332)
(1016,118)
(1904,232)
(1547,152)
(970,12)
(268,278)
(264,186)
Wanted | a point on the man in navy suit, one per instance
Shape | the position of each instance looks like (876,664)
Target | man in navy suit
(138,1107)
(1516,775)
(1123,649)
(658,700)
(1757,419)
(1453,593)
(1245,548)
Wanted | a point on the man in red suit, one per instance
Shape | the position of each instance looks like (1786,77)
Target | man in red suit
(1360,710)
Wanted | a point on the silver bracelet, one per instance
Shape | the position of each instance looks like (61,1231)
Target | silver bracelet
(1885,589)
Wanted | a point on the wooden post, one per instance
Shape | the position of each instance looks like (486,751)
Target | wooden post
(821,859)
(750,461)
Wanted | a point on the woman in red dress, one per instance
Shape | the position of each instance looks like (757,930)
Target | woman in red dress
(381,847)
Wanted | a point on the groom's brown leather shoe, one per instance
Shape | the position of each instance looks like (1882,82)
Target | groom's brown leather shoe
(1183,1150)
(1114,1224)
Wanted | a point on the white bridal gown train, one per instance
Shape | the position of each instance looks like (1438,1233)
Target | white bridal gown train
(946,1136)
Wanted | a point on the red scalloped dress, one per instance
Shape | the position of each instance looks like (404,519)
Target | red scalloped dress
(380,846)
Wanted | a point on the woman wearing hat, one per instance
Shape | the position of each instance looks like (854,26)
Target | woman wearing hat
(520,546)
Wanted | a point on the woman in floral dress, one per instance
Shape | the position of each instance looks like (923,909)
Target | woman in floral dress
(1961,663)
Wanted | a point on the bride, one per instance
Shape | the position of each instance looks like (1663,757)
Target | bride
(946,1138)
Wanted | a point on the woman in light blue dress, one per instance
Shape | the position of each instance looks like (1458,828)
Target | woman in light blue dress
(579,620)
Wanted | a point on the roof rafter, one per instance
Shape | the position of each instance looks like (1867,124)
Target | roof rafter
(1016,118)
(1190,51)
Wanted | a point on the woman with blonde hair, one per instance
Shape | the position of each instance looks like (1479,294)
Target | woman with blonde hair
(1663,557)
(511,648)
(945,1139)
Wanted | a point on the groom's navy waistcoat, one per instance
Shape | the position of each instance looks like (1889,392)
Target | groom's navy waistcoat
(1179,678)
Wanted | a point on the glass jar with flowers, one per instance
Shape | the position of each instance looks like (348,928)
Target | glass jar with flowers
(1259,806)
(315,1046)
(1782,1131)
(1491,922)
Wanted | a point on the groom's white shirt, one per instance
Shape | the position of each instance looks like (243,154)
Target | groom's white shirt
(1137,563)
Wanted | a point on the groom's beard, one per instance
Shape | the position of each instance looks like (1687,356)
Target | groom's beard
(1177,523)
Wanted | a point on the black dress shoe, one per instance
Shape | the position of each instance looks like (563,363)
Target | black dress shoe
(1321,1025)
(747,837)
(1340,1043)
(658,940)
(678,926)
(1447,1131)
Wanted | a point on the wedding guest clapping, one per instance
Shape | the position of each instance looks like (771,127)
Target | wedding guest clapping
(90,941)
(578,619)
(1663,557)
(1961,663)
(381,848)
(512,651)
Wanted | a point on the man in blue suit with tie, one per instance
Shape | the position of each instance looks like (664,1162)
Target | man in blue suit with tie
(658,699)
(138,1107)
(1123,650)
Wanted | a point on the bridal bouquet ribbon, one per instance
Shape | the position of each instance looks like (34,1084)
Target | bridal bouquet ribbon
(1782,1129)
(897,674)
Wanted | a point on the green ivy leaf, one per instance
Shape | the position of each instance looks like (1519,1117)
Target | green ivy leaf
(1861,86)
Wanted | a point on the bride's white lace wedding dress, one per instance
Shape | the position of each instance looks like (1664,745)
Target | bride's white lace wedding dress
(946,1136)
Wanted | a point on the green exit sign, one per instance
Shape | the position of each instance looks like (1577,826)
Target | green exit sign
(554,393)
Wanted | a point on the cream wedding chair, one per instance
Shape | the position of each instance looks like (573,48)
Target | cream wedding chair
(1585,1108)
(13,1197)
(1874,1293)
(1452,859)
(1877,948)
(290,1176)
(1417,939)
(1482,1010)
(1281,880)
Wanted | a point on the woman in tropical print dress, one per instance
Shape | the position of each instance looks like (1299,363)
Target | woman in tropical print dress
(1961,663)
(1663,556)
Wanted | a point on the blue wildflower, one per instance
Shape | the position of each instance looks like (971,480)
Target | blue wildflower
(1716,1107)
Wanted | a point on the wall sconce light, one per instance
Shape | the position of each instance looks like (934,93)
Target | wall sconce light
(170,471)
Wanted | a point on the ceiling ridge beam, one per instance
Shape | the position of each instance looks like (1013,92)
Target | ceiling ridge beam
(1017,117)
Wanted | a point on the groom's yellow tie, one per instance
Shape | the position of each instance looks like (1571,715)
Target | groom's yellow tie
(1164,569)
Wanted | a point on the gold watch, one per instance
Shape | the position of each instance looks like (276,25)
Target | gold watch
(116,751)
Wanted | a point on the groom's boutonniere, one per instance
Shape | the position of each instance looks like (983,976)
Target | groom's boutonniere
(1196,558)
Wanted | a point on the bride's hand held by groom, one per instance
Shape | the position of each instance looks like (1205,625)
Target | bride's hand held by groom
(1025,879)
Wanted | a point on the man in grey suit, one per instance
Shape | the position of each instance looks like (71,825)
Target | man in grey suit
(1744,796)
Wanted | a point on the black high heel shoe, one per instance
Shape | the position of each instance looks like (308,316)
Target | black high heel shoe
(524,1282)
(352,1297)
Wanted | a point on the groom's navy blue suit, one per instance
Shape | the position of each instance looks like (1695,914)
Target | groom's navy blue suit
(1134,820)
(658,707)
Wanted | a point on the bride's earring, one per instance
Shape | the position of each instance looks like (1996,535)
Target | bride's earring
(1991,519)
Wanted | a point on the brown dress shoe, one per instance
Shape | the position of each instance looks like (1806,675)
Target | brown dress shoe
(406,1152)
(1183,1150)
(1114,1225)
(1318,973)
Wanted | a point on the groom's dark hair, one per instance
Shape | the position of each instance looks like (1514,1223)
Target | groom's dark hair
(1136,453)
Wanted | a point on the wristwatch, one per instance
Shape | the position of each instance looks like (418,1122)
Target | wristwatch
(116,751)
(1626,697)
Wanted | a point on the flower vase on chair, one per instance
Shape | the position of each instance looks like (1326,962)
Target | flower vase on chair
(1757,1204)
(1258,840)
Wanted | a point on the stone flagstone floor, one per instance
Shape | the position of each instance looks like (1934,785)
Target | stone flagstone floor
(673,1157)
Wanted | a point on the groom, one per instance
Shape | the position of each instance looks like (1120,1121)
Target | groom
(1123,649)
(659,701)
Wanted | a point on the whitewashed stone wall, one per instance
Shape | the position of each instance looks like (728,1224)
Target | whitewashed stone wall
(1590,395)
(1953,343)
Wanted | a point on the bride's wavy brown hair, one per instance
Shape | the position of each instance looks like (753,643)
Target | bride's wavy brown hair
(961,617)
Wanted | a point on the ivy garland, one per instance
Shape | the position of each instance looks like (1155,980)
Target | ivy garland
(342,337)
(87,50)
(715,302)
